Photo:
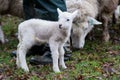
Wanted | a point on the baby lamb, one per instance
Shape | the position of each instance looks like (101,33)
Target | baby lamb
(55,33)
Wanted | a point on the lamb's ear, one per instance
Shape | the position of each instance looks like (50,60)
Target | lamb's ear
(93,21)
(74,14)
(59,11)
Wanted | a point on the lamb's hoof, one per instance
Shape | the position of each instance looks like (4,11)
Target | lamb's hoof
(25,69)
(56,70)
(81,46)
(64,67)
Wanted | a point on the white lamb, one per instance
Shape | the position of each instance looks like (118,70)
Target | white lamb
(36,31)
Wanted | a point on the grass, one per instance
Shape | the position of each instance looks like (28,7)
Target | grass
(96,61)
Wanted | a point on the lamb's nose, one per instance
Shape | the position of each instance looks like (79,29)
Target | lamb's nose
(60,26)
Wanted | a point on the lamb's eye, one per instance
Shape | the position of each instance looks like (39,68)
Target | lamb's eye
(68,19)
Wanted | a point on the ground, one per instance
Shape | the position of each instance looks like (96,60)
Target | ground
(96,61)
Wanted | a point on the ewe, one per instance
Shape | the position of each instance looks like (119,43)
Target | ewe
(85,21)
(36,31)
(90,8)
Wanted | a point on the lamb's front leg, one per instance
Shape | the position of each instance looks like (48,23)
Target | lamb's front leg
(55,56)
(61,57)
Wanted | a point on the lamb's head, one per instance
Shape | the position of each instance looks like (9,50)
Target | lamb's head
(65,19)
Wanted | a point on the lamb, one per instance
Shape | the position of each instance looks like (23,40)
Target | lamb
(13,7)
(82,23)
(36,31)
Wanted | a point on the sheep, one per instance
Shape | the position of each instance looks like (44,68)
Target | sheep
(81,26)
(90,8)
(34,31)
(106,9)
(13,7)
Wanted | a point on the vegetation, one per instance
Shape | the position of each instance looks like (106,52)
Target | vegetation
(96,61)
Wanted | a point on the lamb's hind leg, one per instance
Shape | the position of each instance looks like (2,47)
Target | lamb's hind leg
(21,55)
(61,57)
(55,55)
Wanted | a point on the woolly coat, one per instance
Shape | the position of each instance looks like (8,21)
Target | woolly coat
(13,7)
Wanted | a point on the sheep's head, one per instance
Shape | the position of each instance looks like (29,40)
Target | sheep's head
(66,19)
(88,25)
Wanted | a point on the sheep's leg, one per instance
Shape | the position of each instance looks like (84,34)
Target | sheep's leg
(106,35)
(61,57)
(2,39)
(55,55)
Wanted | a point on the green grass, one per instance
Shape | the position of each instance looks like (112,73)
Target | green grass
(85,64)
